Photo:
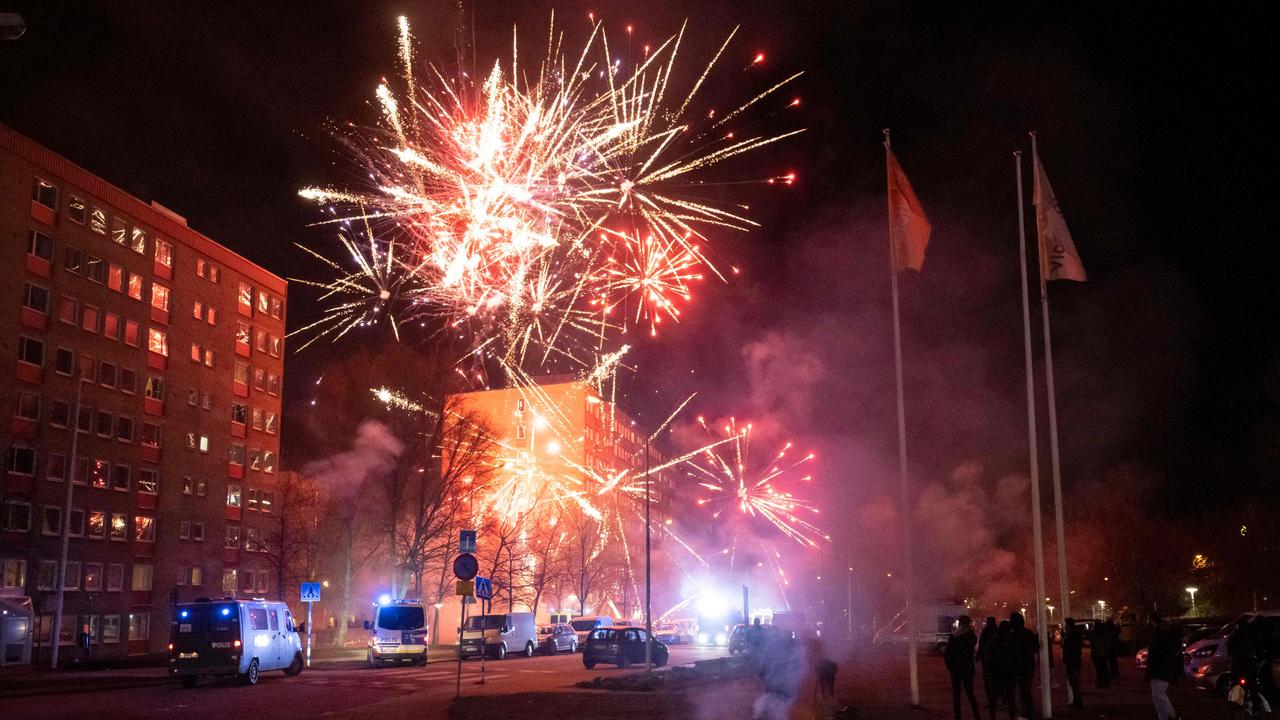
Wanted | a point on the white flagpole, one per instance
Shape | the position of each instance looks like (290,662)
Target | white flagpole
(1063,588)
(913,663)
(1046,702)
(1065,601)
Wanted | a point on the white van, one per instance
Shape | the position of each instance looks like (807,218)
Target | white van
(241,638)
(499,634)
(398,633)
(584,624)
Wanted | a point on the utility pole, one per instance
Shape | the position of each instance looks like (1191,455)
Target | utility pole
(648,621)
(60,580)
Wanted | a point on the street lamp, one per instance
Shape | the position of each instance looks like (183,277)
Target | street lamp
(1102,608)
(1192,592)
(1050,609)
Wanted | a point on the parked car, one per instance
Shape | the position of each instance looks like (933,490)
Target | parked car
(584,624)
(498,635)
(738,639)
(676,632)
(1207,662)
(557,638)
(241,638)
(398,633)
(621,646)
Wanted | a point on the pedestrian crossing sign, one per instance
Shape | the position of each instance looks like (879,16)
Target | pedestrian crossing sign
(310,592)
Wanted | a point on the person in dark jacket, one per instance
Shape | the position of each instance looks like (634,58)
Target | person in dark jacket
(989,677)
(1072,650)
(1100,654)
(960,664)
(1242,648)
(1025,648)
(1113,658)
(999,661)
(1164,665)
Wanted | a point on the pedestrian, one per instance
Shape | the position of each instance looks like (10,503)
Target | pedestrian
(1164,665)
(1001,660)
(1100,654)
(1242,648)
(989,674)
(782,669)
(1072,649)
(959,654)
(824,671)
(1025,648)
(1113,658)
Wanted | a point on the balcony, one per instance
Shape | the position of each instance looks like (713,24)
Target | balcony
(27,372)
(43,214)
(33,319)
(39,266)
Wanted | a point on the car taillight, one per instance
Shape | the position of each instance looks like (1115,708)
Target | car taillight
(236,644)
(170,647)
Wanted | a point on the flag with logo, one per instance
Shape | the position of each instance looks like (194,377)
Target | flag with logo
(1058,257)
(908,226)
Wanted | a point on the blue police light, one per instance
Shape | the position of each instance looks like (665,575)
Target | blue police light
(384,599)
(226,611)
(184,613)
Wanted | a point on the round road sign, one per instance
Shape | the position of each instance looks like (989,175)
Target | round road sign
(466,567)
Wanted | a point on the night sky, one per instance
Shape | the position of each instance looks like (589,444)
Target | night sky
(1152,128)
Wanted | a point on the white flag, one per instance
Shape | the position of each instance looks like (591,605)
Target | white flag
(1058,257)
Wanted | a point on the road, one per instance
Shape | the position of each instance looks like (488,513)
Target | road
(337,689)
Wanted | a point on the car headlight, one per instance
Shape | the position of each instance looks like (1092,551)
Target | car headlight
(704,639)
(721,638)
(1206,651)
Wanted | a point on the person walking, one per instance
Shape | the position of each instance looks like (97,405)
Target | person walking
(1164,665)
(1026,646)
(959,657)
(1100,654)
(1113,658)
(989,674)
(1072,650)
(1000,661)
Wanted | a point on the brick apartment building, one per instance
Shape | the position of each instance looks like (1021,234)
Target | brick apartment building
(172,348)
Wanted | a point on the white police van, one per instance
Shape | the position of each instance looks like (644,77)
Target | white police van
(240,638)
(398,633)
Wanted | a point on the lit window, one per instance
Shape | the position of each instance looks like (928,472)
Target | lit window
(245,297)
(197,310)
(242,333)
(97,525)
(275,345)
(68,310)
(139,241)
(204,443)
(196,352)
(144,528)
(268,462)
(229,578)
(237,455)
(45,193)
(208,359)
(135,286)
(157,342)
(154,388)
(98,473)
(272,423)
(164,253)
(131,333)
(119,527)
(277,308)
(211,315)
(89,319)
(159,297)
(143,574)
(111,326)
(233,495)
(77,210)
(259,418)
(240,413)
(98,220)
(241,373)
(148,481)
(119,231)
(264,303)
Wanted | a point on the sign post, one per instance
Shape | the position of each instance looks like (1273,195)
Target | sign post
(309,594)
(484,592)
(465,569)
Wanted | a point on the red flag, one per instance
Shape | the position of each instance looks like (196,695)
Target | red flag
(908,227)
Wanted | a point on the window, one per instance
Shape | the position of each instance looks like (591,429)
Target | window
(188,485)
(144,529)
(95,268)
(73,261)
(157,342)
(207,270)
(27,407)
(164,253)
(208,358)
(245,297)
(77,209)
(40,245)
(107,374)
(233,496)
(229,581)
(260,379)
(30,350)
(17,516)
(206,401)
(273,424)
(268,499)
(87,371)
(257,616)
(51,522)
(193,397)
(45,193)
(119,231)
(128,381)
(14,573)
(143,574)
(154,388)
(184,571)
(241,373)
(202,487)
(55,467)
(237,454)
(260,340)
(211,315)
(77,522)
(519,431)
(264,302)
(150,435)
(273,384)
(71,578)
(89,319)
(111,326)
(275,345)
(68,310)
(98,220)
(197,535)
(197,576)
(120,477)
(97,525)
(99,471)
(251,495)
(131,333)
(232,540)
(93,577)
(239,413)
(124,429)
(148,481)
(264,578)
(36,298)
(64,362)
(106,423)
(22,461)
(197,310)
(111,623)
(277,308)
(119,527)
(48,571)
(197,352)
(242,333)
(255,462)
(135,286)
(138,241)
(115,577)
(159,297)
(84,421)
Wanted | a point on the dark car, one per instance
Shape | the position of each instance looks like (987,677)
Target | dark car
(555,638)
(620,646)
(738,639)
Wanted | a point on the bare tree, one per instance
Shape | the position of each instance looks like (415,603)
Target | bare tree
(292,546)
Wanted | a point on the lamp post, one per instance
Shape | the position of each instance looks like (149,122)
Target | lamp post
(648,621)
(1192,592)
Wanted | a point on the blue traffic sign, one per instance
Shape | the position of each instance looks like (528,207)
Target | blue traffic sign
(466,541)
(484,588)
(310,592)
(465,566)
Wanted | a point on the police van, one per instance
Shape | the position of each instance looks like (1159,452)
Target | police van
(229,637)
(398,633)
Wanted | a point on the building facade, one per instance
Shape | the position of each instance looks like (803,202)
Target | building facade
(143,363)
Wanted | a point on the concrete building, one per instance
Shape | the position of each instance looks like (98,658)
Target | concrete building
(144,362)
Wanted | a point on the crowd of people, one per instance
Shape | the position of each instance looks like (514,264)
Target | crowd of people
(1007,653)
